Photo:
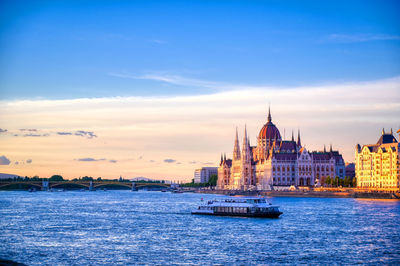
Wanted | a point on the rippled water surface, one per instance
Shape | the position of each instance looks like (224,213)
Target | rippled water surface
(123,227)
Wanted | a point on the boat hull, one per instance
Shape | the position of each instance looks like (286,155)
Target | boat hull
(256,215)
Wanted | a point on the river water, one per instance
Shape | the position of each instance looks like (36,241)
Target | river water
(128,228)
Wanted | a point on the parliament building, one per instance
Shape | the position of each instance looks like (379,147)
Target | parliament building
(276,163)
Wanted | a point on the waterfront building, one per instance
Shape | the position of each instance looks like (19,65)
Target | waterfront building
(202,175)
(276,163)
(377,165)
(350,170)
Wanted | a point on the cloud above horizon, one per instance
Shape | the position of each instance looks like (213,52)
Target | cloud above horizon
(81,133)
(89,159)
(196,128)
(4,160)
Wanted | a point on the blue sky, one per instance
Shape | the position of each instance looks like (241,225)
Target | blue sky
(74,49)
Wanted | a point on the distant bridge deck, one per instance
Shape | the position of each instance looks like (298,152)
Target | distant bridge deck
(78,183)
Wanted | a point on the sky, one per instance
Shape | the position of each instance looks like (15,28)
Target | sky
(157,88)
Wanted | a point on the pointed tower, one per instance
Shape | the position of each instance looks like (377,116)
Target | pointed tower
(324,148)
(298,138)
(222,160)
(383,131)
(292,135)
(236,148)
(246,147)
(269,114)
(330,149)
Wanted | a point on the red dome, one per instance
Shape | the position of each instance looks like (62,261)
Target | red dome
(269,132)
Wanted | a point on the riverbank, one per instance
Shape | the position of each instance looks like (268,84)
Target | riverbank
(349,193)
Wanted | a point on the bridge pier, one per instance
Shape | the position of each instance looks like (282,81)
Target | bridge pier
(45,185)
(91,186)
(134,188)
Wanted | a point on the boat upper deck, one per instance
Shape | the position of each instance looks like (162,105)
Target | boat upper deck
(239,202)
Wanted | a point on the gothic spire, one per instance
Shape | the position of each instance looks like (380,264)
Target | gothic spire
(236,148)
(383,131)
(324,148)
(245,148)
(298,138)
(292,135)
(269,113)
(330,149)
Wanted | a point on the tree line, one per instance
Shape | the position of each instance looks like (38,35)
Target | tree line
(212,182)
(337,182)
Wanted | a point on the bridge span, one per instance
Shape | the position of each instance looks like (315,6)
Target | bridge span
(91,185)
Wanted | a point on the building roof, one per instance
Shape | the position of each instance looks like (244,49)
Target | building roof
(281,156)
(386,138)
(288,145)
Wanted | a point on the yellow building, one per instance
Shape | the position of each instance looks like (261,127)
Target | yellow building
(377,165)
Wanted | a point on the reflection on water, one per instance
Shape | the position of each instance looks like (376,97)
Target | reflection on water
(123,227)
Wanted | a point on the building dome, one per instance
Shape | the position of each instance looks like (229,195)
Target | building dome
(269,131)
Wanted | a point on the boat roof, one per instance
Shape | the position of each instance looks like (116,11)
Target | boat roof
(245,197)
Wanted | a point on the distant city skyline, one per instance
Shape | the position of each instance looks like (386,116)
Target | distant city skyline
(157,88)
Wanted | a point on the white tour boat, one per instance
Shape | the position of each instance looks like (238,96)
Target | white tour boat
(239,206)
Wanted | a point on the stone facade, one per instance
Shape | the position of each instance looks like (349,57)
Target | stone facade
(275,162)
(377,165)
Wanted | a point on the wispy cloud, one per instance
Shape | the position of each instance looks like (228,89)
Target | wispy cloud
(44,133)
(81,133)
(169,160)
(29,161)
(28,129)
(353,38)
(174,79)
(87,134)
(4,160)
(64,133)
(90,159)
(35,135)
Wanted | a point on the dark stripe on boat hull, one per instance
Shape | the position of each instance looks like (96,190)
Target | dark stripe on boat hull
(258,215)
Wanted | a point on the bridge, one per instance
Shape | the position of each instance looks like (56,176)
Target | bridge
(91,185)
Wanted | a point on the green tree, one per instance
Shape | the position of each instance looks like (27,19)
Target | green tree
(327,181)
(337,181)
(354,182)
(87,178)
(212,182)
(56,178)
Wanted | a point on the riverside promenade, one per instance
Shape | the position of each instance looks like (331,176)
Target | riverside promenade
(314,193)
